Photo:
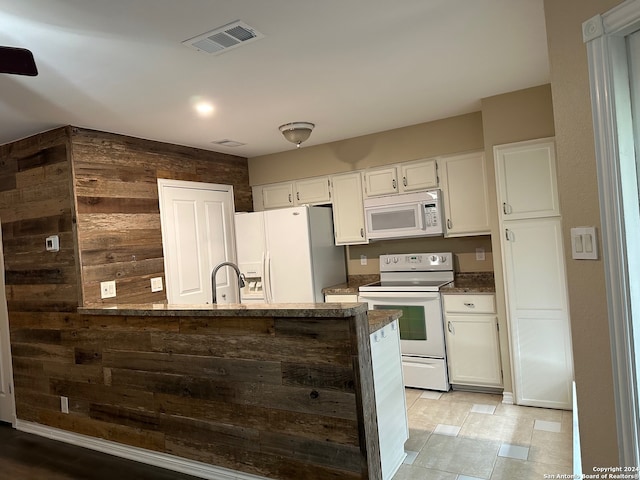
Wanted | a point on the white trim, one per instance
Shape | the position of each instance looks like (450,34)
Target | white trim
(157,459)
(507,398)
(611,116)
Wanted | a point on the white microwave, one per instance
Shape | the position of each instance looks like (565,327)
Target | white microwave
(405,215)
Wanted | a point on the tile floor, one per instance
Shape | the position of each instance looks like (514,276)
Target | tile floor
(471,436)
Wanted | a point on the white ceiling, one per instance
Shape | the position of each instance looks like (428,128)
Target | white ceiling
(352,67)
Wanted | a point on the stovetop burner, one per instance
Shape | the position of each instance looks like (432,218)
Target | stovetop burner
(420,272)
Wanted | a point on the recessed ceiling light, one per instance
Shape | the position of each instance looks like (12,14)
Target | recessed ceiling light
(204,109)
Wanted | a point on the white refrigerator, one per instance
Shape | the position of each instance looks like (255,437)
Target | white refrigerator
(288,255)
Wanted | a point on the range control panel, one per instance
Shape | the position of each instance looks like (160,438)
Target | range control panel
(424,262)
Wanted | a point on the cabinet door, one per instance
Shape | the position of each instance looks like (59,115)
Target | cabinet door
(464,188)
(418,175)
(256,193)
(473,351)
(348,210)
(381,181)
(277,195)
(313,191)
(538,312)
(526,179)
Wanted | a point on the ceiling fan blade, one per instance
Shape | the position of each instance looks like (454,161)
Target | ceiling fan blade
(17,61)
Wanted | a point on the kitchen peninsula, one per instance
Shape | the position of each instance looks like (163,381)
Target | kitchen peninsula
(278,391)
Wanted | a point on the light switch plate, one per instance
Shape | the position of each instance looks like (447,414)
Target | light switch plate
(584,243)
(52,243)
(108,289)
(156,284)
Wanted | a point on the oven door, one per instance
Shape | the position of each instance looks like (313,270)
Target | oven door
(421,325)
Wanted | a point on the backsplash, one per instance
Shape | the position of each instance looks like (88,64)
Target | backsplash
(463,248)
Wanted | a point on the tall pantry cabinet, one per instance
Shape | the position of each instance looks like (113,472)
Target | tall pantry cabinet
(534,272)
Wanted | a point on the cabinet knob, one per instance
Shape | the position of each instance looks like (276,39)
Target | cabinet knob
(394,184)
(289,198)
(404,181)
(298,195)
(469,304)
(449,224)
(449,327)
(362,232)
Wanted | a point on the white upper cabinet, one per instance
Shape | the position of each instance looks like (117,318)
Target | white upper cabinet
(313,191)
(526,175)
(400,178)
(464,188)
(277,195)
(348,210)
(418,175)
(381,181)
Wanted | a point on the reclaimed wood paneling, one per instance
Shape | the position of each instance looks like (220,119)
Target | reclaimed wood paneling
(37,203)
(119,233)
(238,404)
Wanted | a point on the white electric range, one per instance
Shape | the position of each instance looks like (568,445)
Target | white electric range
(411,283)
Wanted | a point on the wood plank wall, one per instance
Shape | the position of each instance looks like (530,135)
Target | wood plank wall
(36,202)
(276,397)
(119,234)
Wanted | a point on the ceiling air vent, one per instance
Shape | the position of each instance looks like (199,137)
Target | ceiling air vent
(224,38)
(228,143)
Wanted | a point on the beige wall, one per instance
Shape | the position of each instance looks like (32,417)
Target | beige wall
(450,135)
(577,184)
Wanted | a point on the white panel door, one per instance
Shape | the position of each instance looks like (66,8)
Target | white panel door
(197,235)
(538,312)
(7,405)
(289,275)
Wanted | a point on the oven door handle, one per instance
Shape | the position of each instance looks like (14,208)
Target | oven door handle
(417,296)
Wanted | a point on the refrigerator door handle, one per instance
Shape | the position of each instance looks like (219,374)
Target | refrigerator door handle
(266,273)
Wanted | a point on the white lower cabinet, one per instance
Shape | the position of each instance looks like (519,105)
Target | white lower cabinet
(393,427)
(473,349)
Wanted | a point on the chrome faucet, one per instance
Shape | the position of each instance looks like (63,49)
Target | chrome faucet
(213,279)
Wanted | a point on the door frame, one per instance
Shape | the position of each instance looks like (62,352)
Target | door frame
(5,343)
(605,39)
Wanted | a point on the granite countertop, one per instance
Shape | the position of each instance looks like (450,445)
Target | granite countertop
(350,287)
(377,319)
(474,282)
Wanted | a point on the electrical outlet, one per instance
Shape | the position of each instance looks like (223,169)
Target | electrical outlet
(64,404)
(363,259)
(480,254)
(108,289)
(156,284)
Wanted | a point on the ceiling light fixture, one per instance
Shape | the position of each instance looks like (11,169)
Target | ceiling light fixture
(296,132)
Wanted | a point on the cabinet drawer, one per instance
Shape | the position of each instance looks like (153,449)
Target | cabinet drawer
(469,303)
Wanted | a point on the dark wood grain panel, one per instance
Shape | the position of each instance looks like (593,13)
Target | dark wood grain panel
(258,348)
(322,428)
(115,181)
(238,370)
(227,325)
(318,376)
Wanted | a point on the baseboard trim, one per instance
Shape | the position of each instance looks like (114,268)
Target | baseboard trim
(507,398)
(157,459)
